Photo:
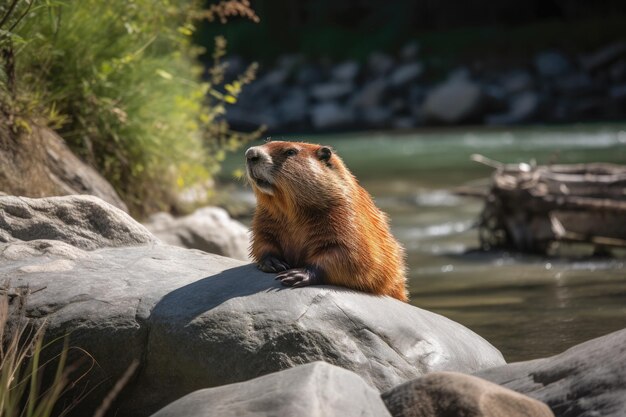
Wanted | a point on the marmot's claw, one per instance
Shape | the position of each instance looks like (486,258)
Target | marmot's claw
(272,264)
(299,277)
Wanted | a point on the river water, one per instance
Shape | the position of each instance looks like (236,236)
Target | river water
(527,306)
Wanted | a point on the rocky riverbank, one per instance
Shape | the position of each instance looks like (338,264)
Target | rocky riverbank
(403,92)
(197,321)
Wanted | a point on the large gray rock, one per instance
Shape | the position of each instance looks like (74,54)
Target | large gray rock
(587,380)
(196,320)
(210,229)
(83,221)
(454,101)
(442,394)
(316,389)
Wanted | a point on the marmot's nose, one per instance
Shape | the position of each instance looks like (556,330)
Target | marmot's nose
(253,155)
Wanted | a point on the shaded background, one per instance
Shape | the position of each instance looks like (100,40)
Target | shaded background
(560,51)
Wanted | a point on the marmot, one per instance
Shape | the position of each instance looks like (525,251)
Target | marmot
(314,224)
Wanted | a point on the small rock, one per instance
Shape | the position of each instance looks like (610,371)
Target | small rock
(379,63)
(377,117)
(410,51)
(575,85)
(517,81)
(618,92)
(370,95)
(523,108)
(274,79)
(294,108)
(455,101)
(209,229)
(346,71)
(330,115)
(604,57)
(443,394)
(309,75)
(315,389)
(331,91)
(405,74)
(403,122)
(552,64)
(618,71)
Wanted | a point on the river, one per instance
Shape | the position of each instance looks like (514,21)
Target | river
(527,306)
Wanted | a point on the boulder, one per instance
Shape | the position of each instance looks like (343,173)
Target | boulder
(293,109)
(83,221)
(442,394)
(330,115)
(315,389)
(454,101)
(195,320)
(587,380)
(209,229)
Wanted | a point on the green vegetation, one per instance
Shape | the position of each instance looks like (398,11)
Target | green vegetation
(21,365)
(120,82)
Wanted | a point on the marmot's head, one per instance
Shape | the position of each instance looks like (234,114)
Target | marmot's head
(306,173)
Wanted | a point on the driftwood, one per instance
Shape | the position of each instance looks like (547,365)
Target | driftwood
(529,207)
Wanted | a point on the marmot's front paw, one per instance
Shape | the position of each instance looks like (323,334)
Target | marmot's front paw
(272,264)
(300,277)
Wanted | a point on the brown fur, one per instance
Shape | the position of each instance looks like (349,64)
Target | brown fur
(320,217)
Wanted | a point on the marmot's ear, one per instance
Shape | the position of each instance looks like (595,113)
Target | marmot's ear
(324,153)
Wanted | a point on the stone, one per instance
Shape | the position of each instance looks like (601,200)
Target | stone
(576,84)
(346,71)
(454,101)
(404,122)
(523,107)
(379,63)
(315,389)
(604,56)
(552,64)
(442,394)
(410,51)
(293,109)
(586,380)
(370,95)
(405,74)
(618,71)
(331,91)
(517,81)
(41,164)
(330,115)
(377,117)
(209,229)
(83,221)
(618,92)
(195,320)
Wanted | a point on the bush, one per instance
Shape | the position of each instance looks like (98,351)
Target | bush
(119,80)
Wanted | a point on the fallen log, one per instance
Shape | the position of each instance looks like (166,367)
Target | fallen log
(529,207)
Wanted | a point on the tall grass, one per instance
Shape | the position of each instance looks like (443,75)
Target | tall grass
(120,81)
(21,369)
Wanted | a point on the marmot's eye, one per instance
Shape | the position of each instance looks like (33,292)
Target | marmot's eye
(291,152)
